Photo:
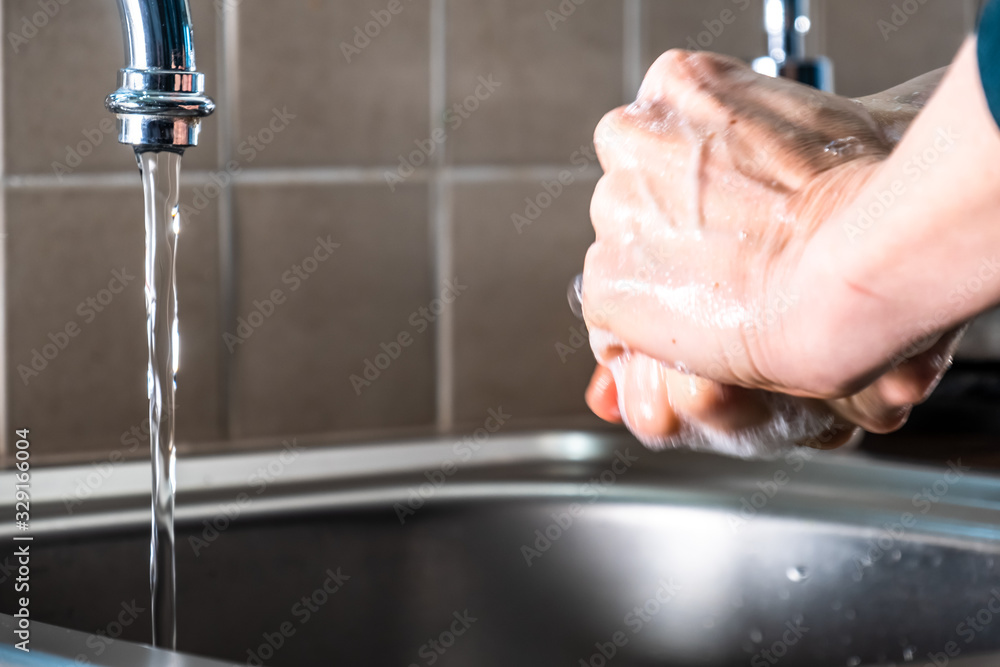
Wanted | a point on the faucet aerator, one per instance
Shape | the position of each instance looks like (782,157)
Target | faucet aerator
(161,97)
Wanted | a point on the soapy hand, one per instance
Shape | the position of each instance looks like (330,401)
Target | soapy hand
(716,181)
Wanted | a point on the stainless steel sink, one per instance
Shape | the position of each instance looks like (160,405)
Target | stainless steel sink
(543,549)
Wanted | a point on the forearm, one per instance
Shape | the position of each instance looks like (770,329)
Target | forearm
(917,252)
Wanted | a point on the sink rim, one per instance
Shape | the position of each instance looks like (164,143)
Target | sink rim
(847,489)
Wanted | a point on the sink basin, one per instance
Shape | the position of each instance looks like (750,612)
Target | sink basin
(547,549)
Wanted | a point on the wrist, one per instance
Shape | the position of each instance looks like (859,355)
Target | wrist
(835,330)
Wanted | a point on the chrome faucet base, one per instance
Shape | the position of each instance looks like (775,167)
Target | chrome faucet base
(816,72)
(787,23)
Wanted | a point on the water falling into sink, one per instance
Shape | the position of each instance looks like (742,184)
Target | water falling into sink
(160,182)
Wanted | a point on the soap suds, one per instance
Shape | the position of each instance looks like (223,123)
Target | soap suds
(792,421)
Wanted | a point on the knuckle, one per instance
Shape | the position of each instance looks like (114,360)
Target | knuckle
(602,204)
(697,67)
(916,392)
(609,129)
(923,389)
(669,62)
(912,383)
(690,82)
(891,420)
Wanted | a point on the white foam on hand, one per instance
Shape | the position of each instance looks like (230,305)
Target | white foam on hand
(790,420)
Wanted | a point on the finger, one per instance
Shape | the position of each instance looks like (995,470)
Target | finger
(869,410)
(715,406)
(623,285)
(793,123)
(632,136)
(885,405)
(650,136)
(617,205)
(913,380)
(645,399)
(679,76)
(602,395)
(910,383)
(611,140)
(836,436)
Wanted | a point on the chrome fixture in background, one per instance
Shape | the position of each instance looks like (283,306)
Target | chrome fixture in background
(787,23)
(161,97)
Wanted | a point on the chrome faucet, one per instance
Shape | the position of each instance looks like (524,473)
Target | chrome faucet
(161,97)
(787,23)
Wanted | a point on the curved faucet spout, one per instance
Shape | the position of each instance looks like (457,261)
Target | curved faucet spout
(161,96)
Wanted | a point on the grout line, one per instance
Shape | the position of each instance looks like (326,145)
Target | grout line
(79,181)
(228,59)
(294,176)
(482,174)
(5,393)
(440,201)
(279,176)
(324,176)
(632,48)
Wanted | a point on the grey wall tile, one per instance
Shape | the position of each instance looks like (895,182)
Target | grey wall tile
(56,82)
(732,27)
(515,313)
(293,373)
(869,56)
(555,84)
(366,111)
(63,248)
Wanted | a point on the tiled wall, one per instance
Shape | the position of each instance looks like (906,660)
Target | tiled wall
(342,125)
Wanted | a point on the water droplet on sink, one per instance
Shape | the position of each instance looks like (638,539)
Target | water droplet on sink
(797,574)
(937,560)
(783,594)
(850,614)
(836,605)
(853,661)
(908,653)
(896,555)
(756,636)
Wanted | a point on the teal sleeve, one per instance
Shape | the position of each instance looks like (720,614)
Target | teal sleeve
(988,54)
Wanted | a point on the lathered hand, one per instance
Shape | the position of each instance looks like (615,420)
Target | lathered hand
(716,181)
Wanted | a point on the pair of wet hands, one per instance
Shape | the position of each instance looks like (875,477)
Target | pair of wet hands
(715,183)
